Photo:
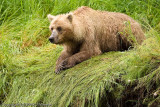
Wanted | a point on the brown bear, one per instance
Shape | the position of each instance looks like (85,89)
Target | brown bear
(86,32)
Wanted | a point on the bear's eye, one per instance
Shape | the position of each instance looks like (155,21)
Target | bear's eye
(59,28)
(52,28)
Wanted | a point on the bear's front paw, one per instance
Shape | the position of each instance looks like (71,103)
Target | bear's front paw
(59,68)
(67,63)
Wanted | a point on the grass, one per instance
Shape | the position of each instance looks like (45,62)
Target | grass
(27,59)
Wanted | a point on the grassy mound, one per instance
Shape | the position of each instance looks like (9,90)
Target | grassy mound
(114,78)
(27,59)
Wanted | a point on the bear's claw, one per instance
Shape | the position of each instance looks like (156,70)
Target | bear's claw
(61,67)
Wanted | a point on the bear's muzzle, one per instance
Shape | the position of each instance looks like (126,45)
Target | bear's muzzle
(54,37)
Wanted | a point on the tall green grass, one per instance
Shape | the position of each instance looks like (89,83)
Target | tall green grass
(27,59)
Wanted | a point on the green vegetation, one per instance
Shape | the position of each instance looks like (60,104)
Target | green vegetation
(27,59)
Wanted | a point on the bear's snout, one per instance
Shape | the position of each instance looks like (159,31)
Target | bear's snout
(54,37)
(51,39)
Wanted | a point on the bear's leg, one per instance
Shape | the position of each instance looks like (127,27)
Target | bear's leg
(78,58)
(65,54)
(75,59)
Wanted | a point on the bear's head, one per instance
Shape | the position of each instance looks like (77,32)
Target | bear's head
(61,28)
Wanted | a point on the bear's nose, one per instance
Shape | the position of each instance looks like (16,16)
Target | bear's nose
(51,39)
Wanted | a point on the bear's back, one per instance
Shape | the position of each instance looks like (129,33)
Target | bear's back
(81,10)
(108,28)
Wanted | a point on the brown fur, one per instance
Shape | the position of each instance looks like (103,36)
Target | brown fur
(88,32)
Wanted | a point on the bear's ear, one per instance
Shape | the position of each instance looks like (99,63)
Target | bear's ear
(50,17)
(70,17)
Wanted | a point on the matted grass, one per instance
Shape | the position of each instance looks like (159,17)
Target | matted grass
(113,76)
(27,59)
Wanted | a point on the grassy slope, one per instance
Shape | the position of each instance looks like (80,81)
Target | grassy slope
(27,60)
